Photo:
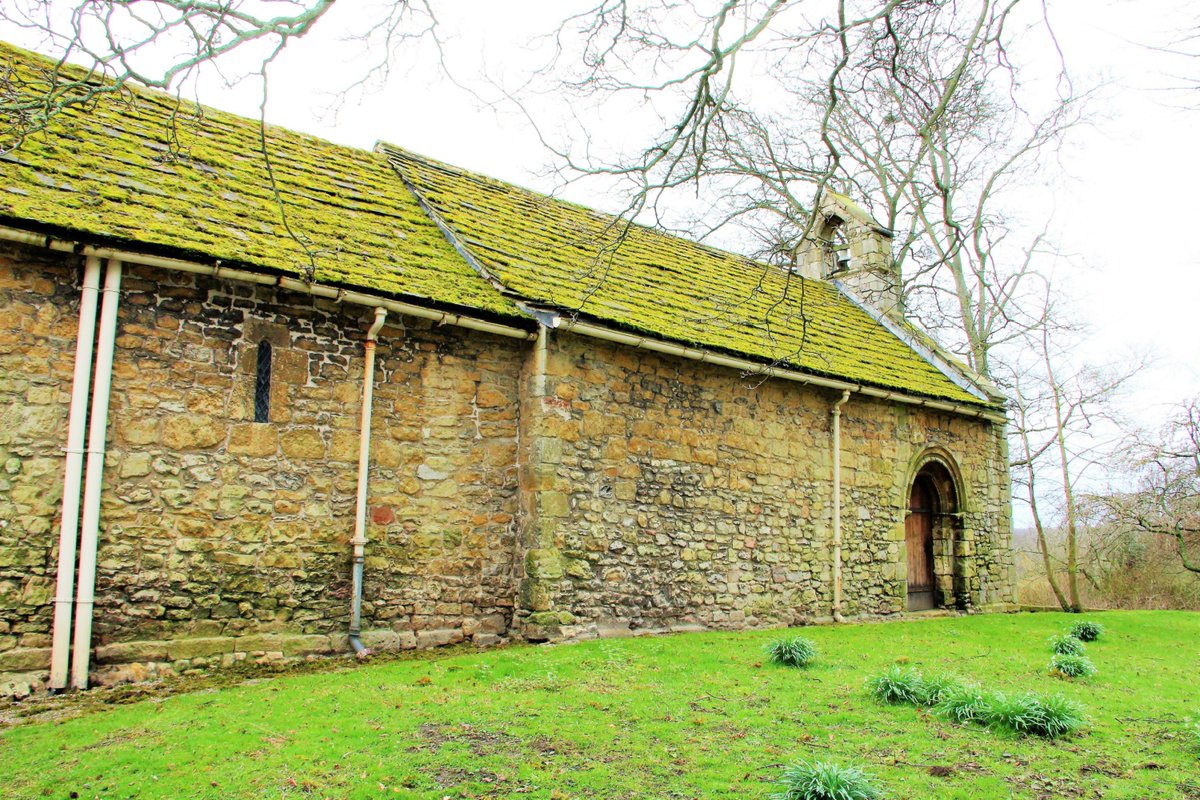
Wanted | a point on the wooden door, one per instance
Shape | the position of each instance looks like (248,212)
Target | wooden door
(918,540)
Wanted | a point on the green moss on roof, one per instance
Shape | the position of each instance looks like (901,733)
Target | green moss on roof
(571,258)
(144,168)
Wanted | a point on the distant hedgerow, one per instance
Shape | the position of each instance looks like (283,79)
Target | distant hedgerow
(825,781)
(793,652)
(1067,645)
(1087,631)
(1072,666)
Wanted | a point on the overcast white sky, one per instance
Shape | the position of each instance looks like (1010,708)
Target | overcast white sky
(1128,211)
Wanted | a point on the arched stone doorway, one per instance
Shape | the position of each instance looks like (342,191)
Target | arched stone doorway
(932,531)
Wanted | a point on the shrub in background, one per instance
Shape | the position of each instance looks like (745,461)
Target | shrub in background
(792,652)
(825,781)
(1072,666)
(1087,631)
(1066,645)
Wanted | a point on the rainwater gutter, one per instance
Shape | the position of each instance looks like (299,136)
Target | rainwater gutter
(836,412)
(292,284)
(755,368)
(98,428)
(359,542)
(64,591)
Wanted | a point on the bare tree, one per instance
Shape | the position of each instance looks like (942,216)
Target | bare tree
(1064,425)
(162,43)
(1165,498)
(914,107)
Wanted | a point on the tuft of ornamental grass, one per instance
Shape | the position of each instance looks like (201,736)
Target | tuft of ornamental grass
(965,704)
(792,652)
(937,688)
(1072,666)
(1087,631)
(825,781)
(1066,645)
(1050,716)
(898,686)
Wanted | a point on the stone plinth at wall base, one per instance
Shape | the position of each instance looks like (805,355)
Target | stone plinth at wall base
(25,659)
(148,660)
(1001,607)
(19,685)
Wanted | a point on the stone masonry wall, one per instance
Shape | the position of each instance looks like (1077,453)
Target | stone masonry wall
(673,493)
(586,488)
(223,538)
(39,317)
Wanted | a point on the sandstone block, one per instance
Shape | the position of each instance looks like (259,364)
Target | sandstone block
(345,446)
(192,432)
(125,652)
(554,504)
(543,564)
(254,439)
(186,649)
(302,443)
(25,659)
(577,568)
(303,645)
(135,465)
(439,637)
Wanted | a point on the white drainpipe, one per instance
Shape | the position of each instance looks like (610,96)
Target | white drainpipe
(64,593)
(837,506)
(364,462)
(98,428)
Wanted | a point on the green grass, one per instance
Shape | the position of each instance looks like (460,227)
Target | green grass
(686,716)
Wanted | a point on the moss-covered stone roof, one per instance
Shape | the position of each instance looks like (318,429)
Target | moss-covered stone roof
(144,168)
(572,259)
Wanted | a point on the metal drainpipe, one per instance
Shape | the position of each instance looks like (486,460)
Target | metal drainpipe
(98,428)
(837,507)
(359,541)
(64,592)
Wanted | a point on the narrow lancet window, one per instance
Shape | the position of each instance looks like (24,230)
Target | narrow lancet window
(262,383)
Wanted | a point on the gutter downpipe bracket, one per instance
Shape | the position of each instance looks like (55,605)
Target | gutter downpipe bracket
(359,542)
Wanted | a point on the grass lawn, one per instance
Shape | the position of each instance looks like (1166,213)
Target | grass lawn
(686,716)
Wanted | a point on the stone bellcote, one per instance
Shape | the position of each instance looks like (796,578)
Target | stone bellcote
(849,246)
